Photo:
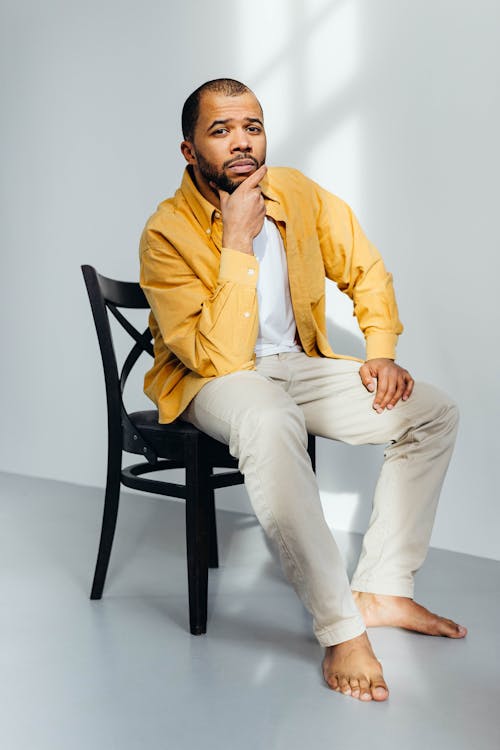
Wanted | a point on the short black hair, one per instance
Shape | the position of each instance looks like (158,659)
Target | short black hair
(191,108)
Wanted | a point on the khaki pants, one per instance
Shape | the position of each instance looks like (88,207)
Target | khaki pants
(264,417)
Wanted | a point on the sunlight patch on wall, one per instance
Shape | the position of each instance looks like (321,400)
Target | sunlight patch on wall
(331,60)
(340,509)
(334,160)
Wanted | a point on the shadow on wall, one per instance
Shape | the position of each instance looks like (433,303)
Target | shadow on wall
(347,474)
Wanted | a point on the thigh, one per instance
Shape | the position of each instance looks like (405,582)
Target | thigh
(227,402)
(336,404)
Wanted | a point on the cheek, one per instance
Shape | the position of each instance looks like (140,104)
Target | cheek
(216,155)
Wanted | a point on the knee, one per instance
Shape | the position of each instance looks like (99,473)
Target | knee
(436,406)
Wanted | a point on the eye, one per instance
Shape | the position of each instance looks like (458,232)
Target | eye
(219,131)
(254,129)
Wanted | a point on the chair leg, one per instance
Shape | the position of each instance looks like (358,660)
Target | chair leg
(110,514)
(213,548)
(197,526)
(311,449)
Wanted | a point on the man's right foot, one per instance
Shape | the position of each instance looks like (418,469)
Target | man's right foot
(352,668)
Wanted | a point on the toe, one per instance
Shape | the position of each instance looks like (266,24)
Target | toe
(364,690)
(379,688)
(344,685)
(451,629)
(355,689)
(331,680)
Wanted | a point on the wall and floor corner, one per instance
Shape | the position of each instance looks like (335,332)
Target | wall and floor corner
(392,105)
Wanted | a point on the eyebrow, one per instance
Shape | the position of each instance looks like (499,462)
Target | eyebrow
(230,119)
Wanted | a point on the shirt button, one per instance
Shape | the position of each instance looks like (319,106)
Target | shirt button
(217,215)
(251,271)
(209,231)
(246,314)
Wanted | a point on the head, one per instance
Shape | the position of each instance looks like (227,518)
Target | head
(224,138)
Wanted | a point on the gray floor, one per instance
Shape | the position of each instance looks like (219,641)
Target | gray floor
(124,673)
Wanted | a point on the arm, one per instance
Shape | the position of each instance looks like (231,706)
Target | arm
(358,269)
(212,331)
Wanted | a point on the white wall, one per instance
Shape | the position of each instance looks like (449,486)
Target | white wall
(394,105)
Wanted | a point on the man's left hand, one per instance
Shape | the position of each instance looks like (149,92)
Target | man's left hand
(393,382)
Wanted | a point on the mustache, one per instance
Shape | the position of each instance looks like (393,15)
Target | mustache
(243,157)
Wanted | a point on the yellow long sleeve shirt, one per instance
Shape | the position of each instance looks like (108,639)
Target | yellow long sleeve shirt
(203,297)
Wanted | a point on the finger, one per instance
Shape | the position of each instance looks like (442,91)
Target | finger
(400,389)
(253,180)
(409,387)
(382,386)
(391,385)
(367,378)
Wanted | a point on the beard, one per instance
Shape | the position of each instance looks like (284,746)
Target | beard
(220,179)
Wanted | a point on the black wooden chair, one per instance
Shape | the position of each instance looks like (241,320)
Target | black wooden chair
(164,446)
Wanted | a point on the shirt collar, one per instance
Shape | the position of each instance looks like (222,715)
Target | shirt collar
(201,208)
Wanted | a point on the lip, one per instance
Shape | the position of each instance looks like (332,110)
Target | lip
(242,166)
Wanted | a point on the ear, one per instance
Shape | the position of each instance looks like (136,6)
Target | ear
(188,152)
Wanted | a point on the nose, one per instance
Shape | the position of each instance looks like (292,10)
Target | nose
(241,141)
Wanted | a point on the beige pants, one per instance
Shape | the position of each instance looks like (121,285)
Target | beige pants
(264,417)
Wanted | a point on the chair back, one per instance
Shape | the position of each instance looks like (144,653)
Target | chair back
(108,296)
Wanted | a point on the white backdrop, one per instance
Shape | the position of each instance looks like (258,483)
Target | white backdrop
(394,105)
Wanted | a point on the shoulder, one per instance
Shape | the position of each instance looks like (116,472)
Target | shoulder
(287,178)
(166,212)
(295,191)
(171,219)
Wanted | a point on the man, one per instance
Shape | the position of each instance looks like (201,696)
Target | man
(234,269)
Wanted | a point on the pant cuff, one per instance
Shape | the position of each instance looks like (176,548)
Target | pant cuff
(401,587)
(340,632)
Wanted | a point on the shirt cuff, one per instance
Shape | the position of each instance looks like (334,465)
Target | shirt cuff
(381,345)
(241,268)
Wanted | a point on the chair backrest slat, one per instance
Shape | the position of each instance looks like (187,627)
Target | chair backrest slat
(107,295)
(122,293)
(143,339)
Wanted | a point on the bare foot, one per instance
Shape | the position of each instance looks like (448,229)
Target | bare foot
(352,668)
(403,612)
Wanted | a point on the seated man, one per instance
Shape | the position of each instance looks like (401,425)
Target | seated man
(234,269)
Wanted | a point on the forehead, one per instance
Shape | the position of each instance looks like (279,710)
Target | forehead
(215,106)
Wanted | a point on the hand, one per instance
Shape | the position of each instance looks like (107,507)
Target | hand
(243,213)
(393,382)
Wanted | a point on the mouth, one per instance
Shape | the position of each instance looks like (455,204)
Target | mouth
(242,166)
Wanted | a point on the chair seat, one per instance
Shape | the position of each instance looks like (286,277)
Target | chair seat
(167,440)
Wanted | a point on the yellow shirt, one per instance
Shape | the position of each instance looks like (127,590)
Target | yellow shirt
(203,296)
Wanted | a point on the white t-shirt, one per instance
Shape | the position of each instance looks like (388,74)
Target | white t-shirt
(277,327)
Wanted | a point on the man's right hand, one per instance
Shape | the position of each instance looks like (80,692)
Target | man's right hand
(243,213)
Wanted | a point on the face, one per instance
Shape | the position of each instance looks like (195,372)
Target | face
(229,142)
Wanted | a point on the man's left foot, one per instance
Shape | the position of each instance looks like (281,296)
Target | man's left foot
(403,612)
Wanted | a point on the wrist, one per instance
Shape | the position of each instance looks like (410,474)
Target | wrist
(238,242)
